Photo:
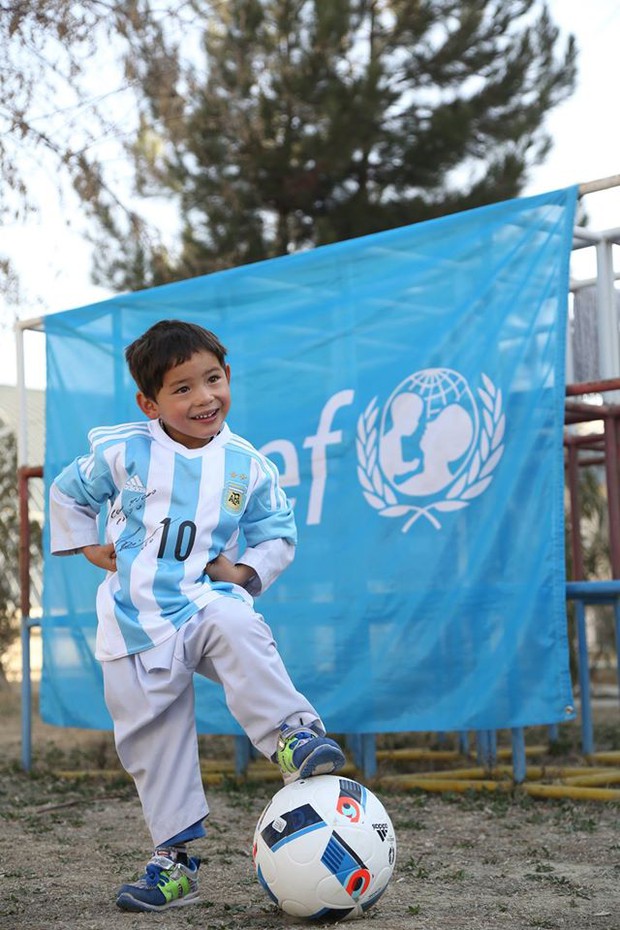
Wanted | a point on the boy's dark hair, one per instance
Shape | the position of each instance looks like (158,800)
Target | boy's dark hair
(164,345)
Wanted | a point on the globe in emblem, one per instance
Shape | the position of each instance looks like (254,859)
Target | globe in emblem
(428,432)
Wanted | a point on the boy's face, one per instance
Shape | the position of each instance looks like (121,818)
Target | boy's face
(193,401)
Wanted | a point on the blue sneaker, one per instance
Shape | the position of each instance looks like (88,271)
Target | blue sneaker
(302,753)
(170,880)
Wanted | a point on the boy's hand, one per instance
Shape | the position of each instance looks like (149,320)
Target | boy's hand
(101,556)
(222,569)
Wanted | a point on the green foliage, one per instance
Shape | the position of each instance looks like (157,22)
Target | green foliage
(9,542)
(303,122)
(270,126)
(9,545)
(40,51)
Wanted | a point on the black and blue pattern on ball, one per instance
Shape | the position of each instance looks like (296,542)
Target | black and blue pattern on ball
(347,866)
(291,825)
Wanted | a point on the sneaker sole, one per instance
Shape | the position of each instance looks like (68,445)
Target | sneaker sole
(128,903)
(322,761)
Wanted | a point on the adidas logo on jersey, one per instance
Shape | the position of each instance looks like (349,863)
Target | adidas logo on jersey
(132,503)
(134,484)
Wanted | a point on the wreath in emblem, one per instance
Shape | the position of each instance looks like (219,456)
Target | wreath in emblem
(474,480)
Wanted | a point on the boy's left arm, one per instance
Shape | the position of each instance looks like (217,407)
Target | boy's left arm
(257,568)
(269,529)
(267,560)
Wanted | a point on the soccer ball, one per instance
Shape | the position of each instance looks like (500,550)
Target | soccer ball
(324,847)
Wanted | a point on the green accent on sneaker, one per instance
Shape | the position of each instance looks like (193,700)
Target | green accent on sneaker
(301,753)
(166,883)
(173,887)
(284,753)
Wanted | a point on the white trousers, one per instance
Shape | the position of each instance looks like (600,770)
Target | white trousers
(150,697)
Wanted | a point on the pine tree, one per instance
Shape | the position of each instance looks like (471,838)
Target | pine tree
(319,120)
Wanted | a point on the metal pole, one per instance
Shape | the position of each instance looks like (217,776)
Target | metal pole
(617,629)
(369,755)
(608,336)
(24,544)
(22,430)
(575,511)
(587,734)
(243,754)
(26,692)
(601,184)
(592,387)
(24,597)
(613,492)
(519,763)
(487,748)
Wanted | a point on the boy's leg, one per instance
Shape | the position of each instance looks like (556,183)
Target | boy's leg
(151,699)
(230,643)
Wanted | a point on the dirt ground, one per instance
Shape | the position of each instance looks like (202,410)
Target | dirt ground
(474,861)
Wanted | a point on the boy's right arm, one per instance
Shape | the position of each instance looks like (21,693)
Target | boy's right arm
(76,497)
(73,529)
(101,556)
(72,525)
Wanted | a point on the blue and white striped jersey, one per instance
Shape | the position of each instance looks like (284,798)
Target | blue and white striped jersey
(168,510)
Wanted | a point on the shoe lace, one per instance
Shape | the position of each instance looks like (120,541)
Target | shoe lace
(155,869)
(152,875)
(292,740)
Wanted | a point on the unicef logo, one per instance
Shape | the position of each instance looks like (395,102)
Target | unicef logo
(433,449)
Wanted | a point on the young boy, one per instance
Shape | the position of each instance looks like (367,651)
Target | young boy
(181,495)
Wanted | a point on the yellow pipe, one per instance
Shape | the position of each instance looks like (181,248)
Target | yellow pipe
(474,772)
(407,782)
(557,771)
(572,792)
(537,790)
(600,777)
(217,765)
(536,772)
(409,755)
(607,758)
(430,755)
(506,753)
(533,772)
(90,773)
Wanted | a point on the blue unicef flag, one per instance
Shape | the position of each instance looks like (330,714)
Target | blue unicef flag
(410,388)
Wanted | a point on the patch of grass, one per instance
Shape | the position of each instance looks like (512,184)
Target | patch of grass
(415,866)
(572,817)
(408,823)
(544,867)
(538,852)
(560,883)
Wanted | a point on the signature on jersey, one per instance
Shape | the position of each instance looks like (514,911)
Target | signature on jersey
(129,506)
(137,541)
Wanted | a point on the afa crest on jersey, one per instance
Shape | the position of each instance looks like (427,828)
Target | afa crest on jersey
(233,498)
